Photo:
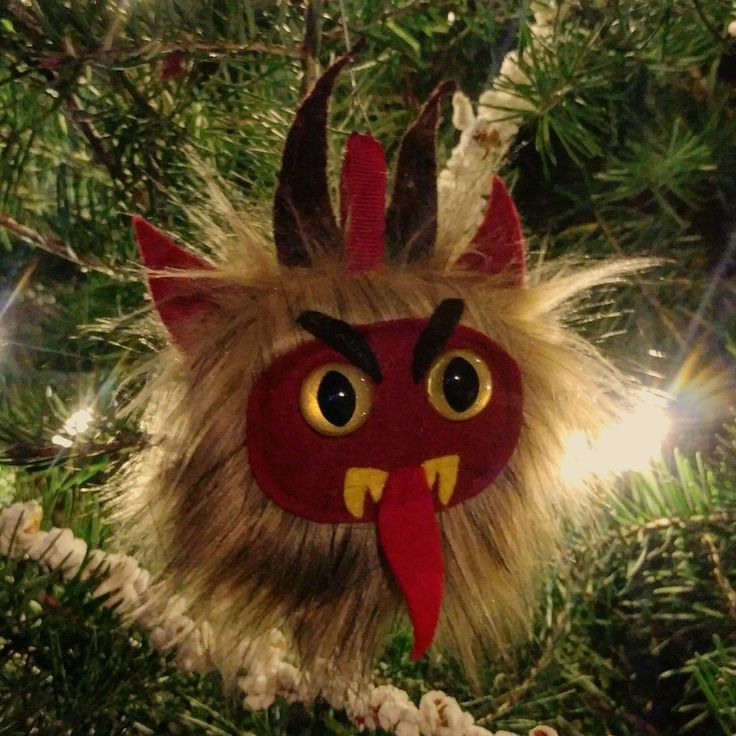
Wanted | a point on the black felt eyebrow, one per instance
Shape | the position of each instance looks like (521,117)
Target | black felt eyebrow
(343,338)
(438,331)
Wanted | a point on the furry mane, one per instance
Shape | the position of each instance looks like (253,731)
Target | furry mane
(189,504)
(256,516)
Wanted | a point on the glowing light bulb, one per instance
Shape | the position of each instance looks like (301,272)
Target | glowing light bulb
(632,444)
(61,441)
(78,423)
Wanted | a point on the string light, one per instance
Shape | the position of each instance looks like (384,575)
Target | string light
(630,445)
(76,424)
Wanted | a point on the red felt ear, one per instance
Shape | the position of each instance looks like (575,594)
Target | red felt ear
(498,246)
(177,299)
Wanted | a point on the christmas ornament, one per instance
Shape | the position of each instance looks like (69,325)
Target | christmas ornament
(356,425)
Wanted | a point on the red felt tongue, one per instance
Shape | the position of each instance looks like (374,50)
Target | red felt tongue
(410,538)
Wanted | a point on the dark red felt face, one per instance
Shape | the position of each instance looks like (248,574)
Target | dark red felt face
(464,413)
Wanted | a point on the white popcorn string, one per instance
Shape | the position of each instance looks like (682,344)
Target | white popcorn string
(265,674)
(485,138)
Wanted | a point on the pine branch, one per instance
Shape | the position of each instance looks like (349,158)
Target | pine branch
(718,573)
(715,32)
(515,695)
(310,45)
(48,454)
(188,47)
(56,247)
(648,293)
(100,153)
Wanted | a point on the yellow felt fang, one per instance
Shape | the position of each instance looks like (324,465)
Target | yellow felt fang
(445,468)
(358,482)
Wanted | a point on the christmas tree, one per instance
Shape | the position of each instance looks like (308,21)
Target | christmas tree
(614,123)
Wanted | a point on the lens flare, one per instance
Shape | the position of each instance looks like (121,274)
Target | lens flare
(632,444)
(76,424)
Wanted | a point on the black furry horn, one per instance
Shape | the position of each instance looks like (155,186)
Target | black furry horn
(302,214)
(411,220)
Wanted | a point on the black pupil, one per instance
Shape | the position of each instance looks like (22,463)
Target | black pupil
(336,398)
(460,384)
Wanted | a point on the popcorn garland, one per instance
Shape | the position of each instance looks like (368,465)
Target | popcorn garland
(261,668)
(486,135)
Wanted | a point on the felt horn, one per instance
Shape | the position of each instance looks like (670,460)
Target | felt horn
(303,220)
(411,220)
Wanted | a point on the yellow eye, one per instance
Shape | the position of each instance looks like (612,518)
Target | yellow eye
(459,385)
(336,399)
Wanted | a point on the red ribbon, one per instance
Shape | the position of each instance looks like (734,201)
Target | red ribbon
(363,203)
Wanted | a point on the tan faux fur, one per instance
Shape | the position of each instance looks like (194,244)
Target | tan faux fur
(190,506)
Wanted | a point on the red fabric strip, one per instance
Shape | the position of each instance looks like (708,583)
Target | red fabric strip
(410,538)
(363,203)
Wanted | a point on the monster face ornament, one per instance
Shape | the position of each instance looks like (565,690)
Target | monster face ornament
(370,424)
(387,424)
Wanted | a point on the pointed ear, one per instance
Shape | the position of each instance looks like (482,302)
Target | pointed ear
(498,246)
(177,298)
